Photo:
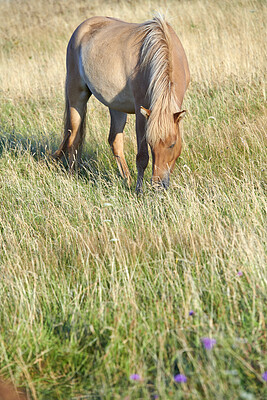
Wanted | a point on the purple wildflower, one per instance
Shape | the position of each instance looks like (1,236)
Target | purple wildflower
(264,376)
(240,273)
(135,377)
(191,312)
(180,378)
(208,343)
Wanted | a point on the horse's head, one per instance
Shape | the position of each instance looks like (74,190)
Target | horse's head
(165,153)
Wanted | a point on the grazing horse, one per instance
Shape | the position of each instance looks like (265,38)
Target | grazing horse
(131,68)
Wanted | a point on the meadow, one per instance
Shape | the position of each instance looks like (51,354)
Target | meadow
(106,295)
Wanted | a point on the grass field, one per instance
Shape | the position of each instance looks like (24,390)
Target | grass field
(96,284)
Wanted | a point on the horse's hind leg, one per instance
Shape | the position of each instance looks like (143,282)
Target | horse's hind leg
(117,124)
(76,99)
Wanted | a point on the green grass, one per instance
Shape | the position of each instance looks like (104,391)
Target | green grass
(96,283)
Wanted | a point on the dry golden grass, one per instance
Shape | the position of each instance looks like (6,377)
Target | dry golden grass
(221,39)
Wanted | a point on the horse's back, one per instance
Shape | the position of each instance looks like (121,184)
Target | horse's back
(107,54)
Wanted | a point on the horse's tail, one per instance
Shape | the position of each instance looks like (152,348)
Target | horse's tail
(67,131)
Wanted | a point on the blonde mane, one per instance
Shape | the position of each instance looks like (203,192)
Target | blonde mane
(156,57)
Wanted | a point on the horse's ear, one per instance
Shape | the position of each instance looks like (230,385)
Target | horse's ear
(178,116)
(145,112)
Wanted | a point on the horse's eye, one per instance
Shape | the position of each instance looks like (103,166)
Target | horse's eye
(170,147)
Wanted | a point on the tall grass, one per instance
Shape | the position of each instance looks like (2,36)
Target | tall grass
(97,284)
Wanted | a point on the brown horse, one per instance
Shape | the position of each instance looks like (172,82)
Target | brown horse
(131,68)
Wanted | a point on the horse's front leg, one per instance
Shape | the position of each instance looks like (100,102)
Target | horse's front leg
(117,124)
(142,157)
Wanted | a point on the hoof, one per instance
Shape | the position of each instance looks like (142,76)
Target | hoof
(139,192)
(57,155)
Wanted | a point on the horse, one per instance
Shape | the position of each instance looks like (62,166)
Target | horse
(132,68)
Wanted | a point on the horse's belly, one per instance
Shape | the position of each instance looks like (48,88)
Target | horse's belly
(116,98)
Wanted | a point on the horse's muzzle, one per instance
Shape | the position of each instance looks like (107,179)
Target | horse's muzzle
(161,183)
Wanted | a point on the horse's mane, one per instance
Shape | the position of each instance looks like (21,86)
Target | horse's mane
(156,57)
